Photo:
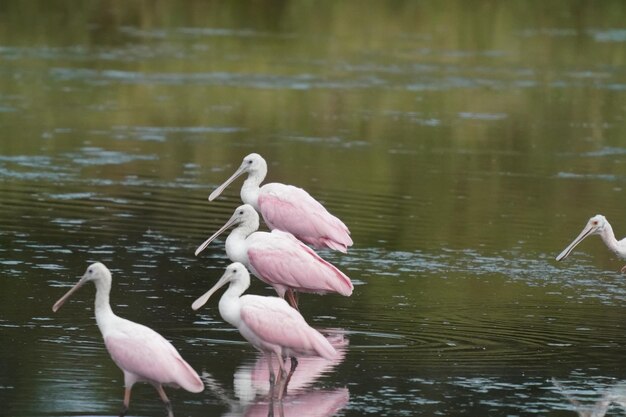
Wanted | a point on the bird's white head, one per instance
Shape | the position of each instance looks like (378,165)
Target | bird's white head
(596,225)
(96,272)
(254,165)
(244,215)
(235,274)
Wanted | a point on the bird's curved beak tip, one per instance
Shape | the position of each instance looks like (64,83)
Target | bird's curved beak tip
(198,303)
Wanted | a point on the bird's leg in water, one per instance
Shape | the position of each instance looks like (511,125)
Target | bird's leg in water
(272,377)
(292,298)
(294,365)
(270,406)
(623,270)
(281,410)
(126,403)
(166,401)
(270,411)
(284,378)
(279,380)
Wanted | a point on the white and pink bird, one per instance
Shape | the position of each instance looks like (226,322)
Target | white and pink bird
(269,324)
(288,208)
(598,225)
(251,380)
(140,352)
(278,258)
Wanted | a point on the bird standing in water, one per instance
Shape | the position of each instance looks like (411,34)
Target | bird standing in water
(278,258)
(269,324)
(140,352)
(288,208)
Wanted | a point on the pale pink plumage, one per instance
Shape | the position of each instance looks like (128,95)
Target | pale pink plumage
(288,208)
(278,258)
(140,352)
(252,380)
(285,263)
(268,323)
(145,355)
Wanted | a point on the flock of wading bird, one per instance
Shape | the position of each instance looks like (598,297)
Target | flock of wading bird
(271,324)
(281,259)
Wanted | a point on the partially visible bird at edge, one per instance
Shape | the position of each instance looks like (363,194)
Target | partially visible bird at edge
(598,225)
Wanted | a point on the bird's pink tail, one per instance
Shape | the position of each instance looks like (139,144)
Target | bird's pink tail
(189,380)
(323,347)
(332,245)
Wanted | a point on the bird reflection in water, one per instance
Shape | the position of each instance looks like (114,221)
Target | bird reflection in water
(615,394)
(252,389)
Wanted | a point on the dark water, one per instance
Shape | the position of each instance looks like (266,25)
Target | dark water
(464,143)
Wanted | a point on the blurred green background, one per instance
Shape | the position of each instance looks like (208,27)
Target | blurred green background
(463,143)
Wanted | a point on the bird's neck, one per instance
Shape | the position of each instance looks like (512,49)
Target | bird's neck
(235,242)
(251,189)
(230,306)
(608,236)
(102,308)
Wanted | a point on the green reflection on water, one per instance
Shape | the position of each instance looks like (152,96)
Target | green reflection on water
(427,126)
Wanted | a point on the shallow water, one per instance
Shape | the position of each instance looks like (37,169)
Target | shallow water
(464,145)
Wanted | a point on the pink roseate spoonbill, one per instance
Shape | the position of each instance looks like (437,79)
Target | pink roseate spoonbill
(140,352)
(278,258)
(598,225)
(251,380)
(270,324)
(288,208)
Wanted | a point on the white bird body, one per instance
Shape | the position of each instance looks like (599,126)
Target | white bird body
(268,323)
(271,324)
(278,258)
(130,344)
(251,380)
(288,208)
(140,352)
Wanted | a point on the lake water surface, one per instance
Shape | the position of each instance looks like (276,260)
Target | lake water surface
(465,144)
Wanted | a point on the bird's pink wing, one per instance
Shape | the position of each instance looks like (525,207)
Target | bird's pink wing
(293,210)
(274,322)
(281,259)
(145,353)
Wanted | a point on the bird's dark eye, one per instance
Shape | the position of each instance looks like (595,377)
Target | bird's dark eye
(235,271)
(250,161)
(90,271)
(595,222)
(241,212)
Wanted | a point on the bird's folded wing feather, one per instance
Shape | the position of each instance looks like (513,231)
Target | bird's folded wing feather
(275,322)
(290,208)
(145,353)
(281,258)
